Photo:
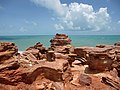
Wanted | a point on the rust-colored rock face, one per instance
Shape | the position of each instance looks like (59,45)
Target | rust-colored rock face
(35,52)
(85,79)
(60,40)
(7,50)
(117,44)
(100,61)
(61,43)
(39,47)
(61,67)
(98,58)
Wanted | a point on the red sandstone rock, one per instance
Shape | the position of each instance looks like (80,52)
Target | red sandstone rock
(56,71)
(10,64)
(117,44)
(39,47)
(61,56)
(98,58)
(111,82)
(36,52)
(104,46)
(85,79)
(32,54)
(7,50)
(61,43)
(60,40)
(100,61)
(50,56)
(31,70)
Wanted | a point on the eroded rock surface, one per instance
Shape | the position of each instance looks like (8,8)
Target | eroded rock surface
(61,43)
(60,67)
(35,52)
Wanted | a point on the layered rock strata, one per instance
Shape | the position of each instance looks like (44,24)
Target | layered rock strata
(61,67)
(61,43)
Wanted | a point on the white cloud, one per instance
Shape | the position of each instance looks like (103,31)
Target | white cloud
(30,22)
(77,16)
(54,5)
(34,23)
(59,27)
(22,29)
(83,17)
(118,22)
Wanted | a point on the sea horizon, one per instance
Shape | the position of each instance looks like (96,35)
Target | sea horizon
(25,41)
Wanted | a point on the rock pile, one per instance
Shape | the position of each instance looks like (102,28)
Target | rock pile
(39,68)
(30,71)
(117,44)
(100,57)
(36,52)
(7,50)
(61,43)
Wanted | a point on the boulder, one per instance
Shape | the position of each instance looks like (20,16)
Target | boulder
(99,58)
(8,46)
(83,51)
(61,43)
(10,64)
(7,50)
(100,61)
(117,44)
(39,47)
(32,54)
(85,79)
(71,58)
(111,82)
(36,52)
(50,56)
(60,40)
(61,56)
(104,46)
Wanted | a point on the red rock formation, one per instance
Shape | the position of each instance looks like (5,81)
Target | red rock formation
(60,40)
(7,50)
(39,47)
(98,58)
(57,71)
(36,52)
(100,61)
(85,79)
(117,44)
(18,72)
(39,69)
(61,43)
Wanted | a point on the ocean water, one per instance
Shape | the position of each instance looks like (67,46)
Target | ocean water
(24,42)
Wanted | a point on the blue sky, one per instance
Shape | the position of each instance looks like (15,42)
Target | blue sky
(48,17)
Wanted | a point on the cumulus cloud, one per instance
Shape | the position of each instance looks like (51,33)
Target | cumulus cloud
(83,17)
(77,16)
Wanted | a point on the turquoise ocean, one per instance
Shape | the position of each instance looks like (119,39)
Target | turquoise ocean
(24,42)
